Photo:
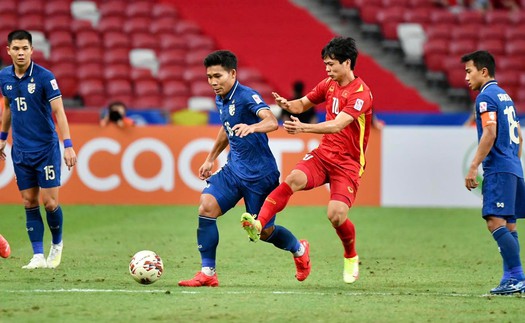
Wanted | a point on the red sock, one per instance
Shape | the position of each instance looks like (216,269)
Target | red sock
(274,203)
(346,233)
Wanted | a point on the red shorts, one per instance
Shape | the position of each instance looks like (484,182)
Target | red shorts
(343,182)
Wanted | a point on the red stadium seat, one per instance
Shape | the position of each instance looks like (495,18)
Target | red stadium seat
(66,79)
(442,16)
(147,102)
(90,71)
(438,31)
(60,39)
(119,87)
(516,63)
(197,42)
(459,47)
(144,40)
(8,7)
(57,8)
(394,3)
(87,39)
(493,45)
(368,14)
(493,31)
(417,15)
(170,72)
(146,88)
(138,73)
(194,73)
(60,22)
(175,88)
(89,55)
(196,57)
(518,17)
(116,56)
(163,25)
(201,88)
(175,103)
(137,25)
(515,32)
(111,24)
(112,8)
(8,22)
(114,72)
(466,31)
(421,4)
(248,74)
(470,17)
(515,47)
(172,57)
(63,55)
(507,78)
(32,22)
(30,7)
(172,41)
(116,40)
(80,25)
(494,17)
(185,27)
(162,11)
(93,93)
(138,9)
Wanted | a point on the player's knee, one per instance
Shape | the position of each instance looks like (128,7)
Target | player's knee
(336,217)
(50,204)
(494,222)
(296,180)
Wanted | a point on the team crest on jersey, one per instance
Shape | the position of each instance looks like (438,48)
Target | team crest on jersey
(231,108)
(482,107)
(331,89)
(31,87)
(358,104)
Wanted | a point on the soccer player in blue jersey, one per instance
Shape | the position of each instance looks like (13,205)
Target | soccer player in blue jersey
(499,150)
(251,171)
(31,97)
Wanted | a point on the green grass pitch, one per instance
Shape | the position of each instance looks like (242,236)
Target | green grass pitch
(417,265)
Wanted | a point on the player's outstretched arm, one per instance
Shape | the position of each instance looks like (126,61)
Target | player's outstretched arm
(295,106)
(267,124)
(331,126)
(70,156)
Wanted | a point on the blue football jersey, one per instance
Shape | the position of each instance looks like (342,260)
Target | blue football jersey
(503,157)
(29,102)
(250,157)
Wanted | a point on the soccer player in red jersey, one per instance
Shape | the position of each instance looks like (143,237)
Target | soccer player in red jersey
(340,158)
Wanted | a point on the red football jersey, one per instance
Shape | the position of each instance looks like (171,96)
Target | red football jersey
(346,148)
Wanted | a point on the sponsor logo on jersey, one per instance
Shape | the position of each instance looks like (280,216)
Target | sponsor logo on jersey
(482,107)
(31,87)
(54,84)
(358,104)
(257,98)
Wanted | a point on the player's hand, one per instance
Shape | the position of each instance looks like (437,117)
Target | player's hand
(242,130)
(205,170)
(2,147)
(281,102)
(294,126)
(470,180)
(70,157)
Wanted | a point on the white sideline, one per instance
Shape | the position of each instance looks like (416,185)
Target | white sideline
(226,292)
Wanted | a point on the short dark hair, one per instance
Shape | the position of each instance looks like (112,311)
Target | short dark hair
(341,49)
(481,58)
(224,58)
(19,34)
(116,104)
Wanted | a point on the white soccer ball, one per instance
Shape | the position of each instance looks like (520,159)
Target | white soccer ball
(146,267)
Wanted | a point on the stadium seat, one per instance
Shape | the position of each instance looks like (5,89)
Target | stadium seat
(8,7)
(146,88)
(140,74)
(119,87)
(470,17)
(199,42)
(138,9)
(515,47)
(137,25)
(515,32)
(263,89)
(438,31)
(170,72)
(116,40)
(493,45)
(164,25)
(87,39)
(89,55)
(194,73)
(85,10)
(60,39)
(8,22)
(442,16)
(63,55)
(421,4)
(111,24)
(518,17)
(172,88)
(172,57)
(144,58)
(57,8)
(60,22)
(30,7)
(459,47)
(201,88)
(40,42)
(511,62)
(185,27)
(32,22)
(116,56)
(196,57)
(90,71)
(465,31)
(172,41)
(175,103)
(508,78)
(112,8)
(412,38)
(494,17)
(147,102)
(144,40)
(93,93)
(248,74)
(496,31)
(394,3)
(114,72)
(68,84)
(417,15)
(78,25)
(162,11)
(202,103)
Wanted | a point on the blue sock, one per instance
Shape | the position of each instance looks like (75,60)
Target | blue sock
(35,229)
(509,250)
(54,221)
(506,270)
(282,238)
(207,240)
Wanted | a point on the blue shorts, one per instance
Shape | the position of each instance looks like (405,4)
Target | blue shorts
(503,196)
(41,168)
(228,189)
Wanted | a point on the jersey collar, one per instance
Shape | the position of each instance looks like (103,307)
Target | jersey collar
(29,71)
(232,91)
(489,83)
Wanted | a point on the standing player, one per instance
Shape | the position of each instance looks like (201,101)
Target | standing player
(31,96)
(251,172)
(499,149)
(339,159)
